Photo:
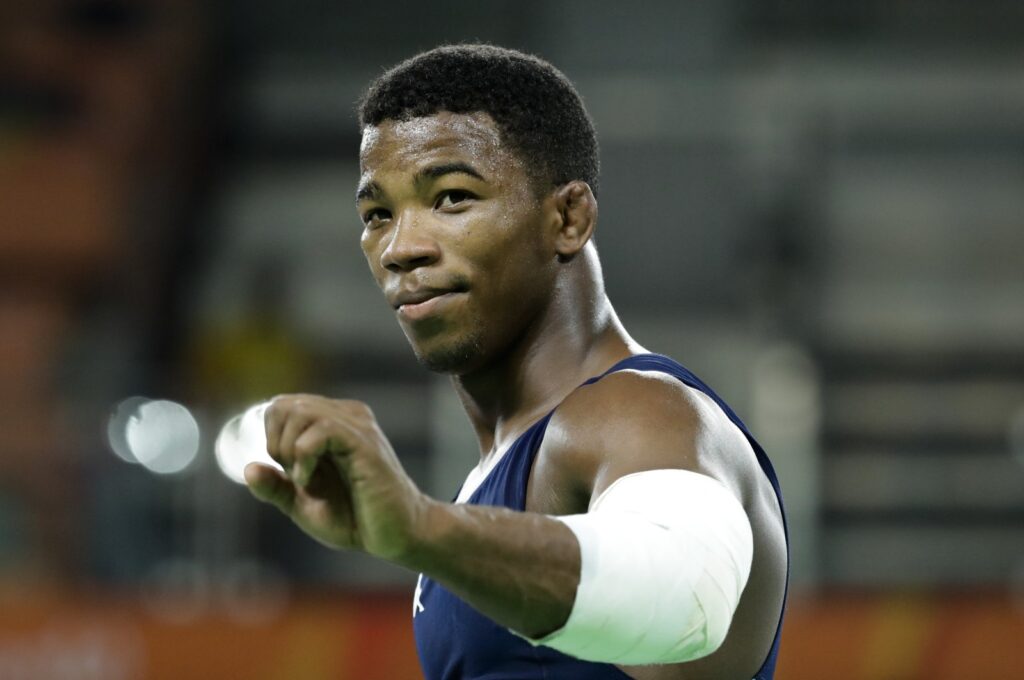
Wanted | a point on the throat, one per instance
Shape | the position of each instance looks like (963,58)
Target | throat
(504,397)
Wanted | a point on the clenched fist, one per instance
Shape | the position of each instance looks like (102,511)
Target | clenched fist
(342,482)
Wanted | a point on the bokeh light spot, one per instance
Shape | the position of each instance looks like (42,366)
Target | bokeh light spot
(161,435)
(241,441)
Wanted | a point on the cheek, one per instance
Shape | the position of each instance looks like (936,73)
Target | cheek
(366,241)
(370,245)
(508,231)
(514,268)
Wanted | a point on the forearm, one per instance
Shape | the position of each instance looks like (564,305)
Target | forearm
(520,569)
(653,573)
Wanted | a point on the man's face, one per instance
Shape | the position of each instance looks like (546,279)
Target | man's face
(454,235)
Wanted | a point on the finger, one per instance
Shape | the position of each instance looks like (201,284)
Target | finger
(307,450)
(270,486)
(297,423)
(273,422)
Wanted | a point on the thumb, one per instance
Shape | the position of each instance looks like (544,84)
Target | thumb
(270,486)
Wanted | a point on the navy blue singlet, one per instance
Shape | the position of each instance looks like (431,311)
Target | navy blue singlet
(455,642)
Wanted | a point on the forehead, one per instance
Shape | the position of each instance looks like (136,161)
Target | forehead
(445,136)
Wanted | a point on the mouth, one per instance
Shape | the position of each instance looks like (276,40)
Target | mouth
(421,309)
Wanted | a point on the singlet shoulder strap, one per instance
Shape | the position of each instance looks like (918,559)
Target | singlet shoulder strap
(661,363)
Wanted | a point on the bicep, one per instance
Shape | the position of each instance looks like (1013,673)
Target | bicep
(642,421)
(623,447)
(656,517)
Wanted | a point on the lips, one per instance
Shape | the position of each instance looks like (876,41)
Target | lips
(414,311)
(420,302)
(418,295)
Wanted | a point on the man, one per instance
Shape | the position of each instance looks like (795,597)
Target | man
(622,523)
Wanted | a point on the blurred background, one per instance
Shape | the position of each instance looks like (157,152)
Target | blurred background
(817,206)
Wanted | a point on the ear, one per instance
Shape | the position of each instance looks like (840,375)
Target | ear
(577,212)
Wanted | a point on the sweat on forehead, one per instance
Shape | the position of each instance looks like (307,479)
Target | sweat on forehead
(411,145)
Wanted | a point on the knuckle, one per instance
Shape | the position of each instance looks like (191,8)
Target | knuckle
(290,401)
(280,405)
(356,407)
(274,405)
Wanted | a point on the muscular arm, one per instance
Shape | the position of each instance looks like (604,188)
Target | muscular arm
(522,569)
(345,487)
(519,569)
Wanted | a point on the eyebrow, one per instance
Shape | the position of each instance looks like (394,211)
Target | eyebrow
(371,190)
(435,171)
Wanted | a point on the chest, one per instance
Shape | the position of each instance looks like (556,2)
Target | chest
(455,642)
(527,477)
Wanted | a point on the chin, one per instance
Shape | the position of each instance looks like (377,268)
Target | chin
(456,357)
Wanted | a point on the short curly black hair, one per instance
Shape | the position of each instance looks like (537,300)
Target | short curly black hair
(538,112)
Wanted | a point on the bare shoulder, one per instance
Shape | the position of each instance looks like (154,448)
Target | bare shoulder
(631,421)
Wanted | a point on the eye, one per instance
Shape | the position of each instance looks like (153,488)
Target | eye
(451,198)
(374,216)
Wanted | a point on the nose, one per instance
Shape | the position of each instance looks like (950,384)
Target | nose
(411,247)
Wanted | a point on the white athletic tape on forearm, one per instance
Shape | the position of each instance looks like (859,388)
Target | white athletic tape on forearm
(665,557)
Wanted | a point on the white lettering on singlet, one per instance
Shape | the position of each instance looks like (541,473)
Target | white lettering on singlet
(417,604)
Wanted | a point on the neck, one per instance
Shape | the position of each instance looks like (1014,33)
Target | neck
(577,336)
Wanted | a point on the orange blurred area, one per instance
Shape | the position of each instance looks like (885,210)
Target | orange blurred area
(360,636)
(903,637)
(369,637)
